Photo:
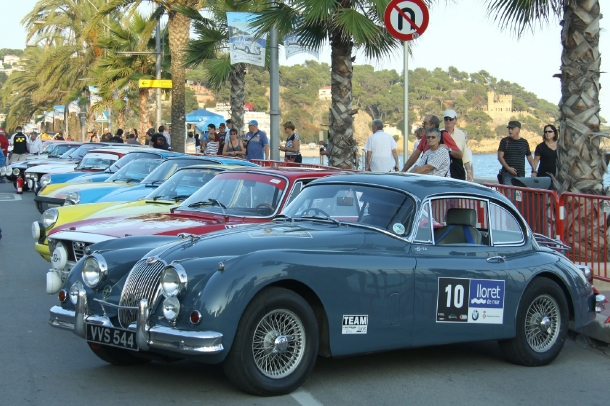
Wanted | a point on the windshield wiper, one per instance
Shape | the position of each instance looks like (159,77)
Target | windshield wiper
(211,202)
(282,217)
(127,180)
(154,182)
(321,217)
(181,197)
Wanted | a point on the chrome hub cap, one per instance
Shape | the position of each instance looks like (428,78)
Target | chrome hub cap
(542,323)
(278,344)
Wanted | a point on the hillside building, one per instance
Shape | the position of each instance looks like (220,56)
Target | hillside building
(499,107)
(325,93)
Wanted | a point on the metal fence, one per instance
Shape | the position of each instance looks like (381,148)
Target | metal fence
(578,220)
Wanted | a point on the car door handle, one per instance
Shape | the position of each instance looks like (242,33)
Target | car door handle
(496,259)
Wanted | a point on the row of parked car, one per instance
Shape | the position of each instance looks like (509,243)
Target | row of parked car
(168,256)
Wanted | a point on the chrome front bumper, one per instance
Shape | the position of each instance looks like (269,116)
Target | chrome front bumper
(147,337)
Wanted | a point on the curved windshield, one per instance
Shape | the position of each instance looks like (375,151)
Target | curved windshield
(63,151)
(96,161)
(183,184)
(134,171)
(167,169)
(130,157)
(239,194)
(374,206)
(82,150)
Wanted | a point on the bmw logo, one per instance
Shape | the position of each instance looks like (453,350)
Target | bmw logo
(475,315)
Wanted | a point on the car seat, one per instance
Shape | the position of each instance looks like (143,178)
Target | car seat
(460,228)
(379,214)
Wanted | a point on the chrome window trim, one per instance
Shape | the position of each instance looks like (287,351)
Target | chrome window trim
(414,230)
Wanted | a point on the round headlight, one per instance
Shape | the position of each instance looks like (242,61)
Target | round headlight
(49,217)
(37,230)
(173,280)
(171,308)
(59,256)
(95,270)
(72,198)
(16,171)
(76,286)
(45,180)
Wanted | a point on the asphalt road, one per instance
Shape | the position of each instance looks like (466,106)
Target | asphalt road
(40,365)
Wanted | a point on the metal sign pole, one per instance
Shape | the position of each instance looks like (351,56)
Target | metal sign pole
(158,73)
(406,101)
(274,92)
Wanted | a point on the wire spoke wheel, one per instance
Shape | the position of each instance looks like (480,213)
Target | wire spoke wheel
(278,343)
(542,322)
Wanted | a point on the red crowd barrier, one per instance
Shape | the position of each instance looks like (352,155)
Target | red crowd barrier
(282,164)
(578,220)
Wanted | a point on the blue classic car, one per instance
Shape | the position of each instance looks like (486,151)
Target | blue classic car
(160,175)
(130,154)
(357,263)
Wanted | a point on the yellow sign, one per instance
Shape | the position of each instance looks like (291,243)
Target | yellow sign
(151,83)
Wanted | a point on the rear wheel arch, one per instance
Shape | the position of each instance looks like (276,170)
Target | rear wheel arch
(318,308)
(564,288)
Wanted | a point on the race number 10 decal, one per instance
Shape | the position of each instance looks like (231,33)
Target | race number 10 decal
(463,300)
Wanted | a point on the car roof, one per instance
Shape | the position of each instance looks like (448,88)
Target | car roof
(210,166)
(290,173)
(420,186)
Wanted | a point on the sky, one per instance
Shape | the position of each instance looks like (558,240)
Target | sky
(459,35)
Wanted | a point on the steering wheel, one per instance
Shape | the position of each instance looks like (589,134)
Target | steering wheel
(315,211)
(264,205)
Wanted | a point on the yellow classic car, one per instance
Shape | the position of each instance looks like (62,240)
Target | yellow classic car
(167,196)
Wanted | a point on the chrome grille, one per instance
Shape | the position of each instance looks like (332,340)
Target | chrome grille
(142,283)
(78,249)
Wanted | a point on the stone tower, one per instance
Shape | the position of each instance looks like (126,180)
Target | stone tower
(499,107)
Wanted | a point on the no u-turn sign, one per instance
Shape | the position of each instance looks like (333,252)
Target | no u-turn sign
(406,19)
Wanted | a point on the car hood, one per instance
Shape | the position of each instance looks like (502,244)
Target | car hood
(95,177)
(149,224)
(62,190)
(128,194)
(52,168)
(315,236)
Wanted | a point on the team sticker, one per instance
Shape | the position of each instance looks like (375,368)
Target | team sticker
(355,324)
(462,300)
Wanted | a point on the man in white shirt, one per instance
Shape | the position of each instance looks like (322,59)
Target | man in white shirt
(35,143)
(380,149)
(461,139)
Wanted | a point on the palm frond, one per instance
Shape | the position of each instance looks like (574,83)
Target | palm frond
(519,15)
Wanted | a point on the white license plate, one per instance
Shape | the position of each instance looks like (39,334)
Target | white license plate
(114,337)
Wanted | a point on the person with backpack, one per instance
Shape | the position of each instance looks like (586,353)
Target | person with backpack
(293,144)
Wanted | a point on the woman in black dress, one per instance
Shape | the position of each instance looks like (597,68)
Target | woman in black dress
(546,153)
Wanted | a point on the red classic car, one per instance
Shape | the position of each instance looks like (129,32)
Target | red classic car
(231,199)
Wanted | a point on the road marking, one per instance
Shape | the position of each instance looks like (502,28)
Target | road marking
(9,197)
(305,398)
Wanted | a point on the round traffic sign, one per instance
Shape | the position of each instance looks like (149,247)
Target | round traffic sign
(406,19)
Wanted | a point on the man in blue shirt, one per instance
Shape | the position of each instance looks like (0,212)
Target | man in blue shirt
(256,142)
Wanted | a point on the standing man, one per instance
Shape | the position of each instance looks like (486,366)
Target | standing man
(221,137)
(256,142)
(511,151)
(459,136)
(106,136)
(380,149)
(35,143)
(3,150)
(149,134)
(131,139)
(435,161)
(19,141)
(168,137)
(431,121)
(118,137)
(230,126)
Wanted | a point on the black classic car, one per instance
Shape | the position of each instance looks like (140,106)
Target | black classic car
(357,263)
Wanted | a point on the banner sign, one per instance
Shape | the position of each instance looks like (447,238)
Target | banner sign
(293,47)
(243,46)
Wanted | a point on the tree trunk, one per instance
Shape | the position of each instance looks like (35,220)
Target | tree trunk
(178,26)
(237,79)
(580,159)
(343,149)
(120,119)
(143,114)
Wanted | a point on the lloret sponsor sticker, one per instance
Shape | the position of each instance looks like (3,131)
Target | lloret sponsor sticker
(355,324)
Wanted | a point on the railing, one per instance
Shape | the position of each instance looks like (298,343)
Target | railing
(284,164)
(578,220)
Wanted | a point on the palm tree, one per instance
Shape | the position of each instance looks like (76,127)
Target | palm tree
(116,71)
(347,25)
(210,50)
(580,158)
(178,26)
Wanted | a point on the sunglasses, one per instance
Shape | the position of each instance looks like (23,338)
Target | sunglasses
(449,118)
(550,132)
(425,123)
(431,137)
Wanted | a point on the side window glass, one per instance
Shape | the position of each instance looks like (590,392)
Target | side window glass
(296,189)
(424,225)
(505,229)
(460,221)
